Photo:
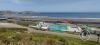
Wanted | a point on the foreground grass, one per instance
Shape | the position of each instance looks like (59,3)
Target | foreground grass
(13,37)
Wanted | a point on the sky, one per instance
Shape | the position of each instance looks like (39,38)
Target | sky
(51,5)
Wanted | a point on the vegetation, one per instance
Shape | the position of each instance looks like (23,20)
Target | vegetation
(13,29)
(12,37)
(26,23)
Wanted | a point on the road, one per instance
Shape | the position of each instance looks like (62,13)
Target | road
(10,25)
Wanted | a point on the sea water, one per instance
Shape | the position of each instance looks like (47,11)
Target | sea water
(65,15)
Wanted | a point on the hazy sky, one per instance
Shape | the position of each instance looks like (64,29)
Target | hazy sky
(51,5)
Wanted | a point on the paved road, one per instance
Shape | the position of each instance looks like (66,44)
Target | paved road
(93,37)
(9,25)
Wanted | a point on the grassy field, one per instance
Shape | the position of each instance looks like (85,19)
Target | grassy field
(13,37)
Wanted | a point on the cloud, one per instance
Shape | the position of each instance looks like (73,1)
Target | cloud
(52,5)
(21,1)
(79,6)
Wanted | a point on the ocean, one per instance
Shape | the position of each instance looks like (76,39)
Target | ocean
(68,15)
